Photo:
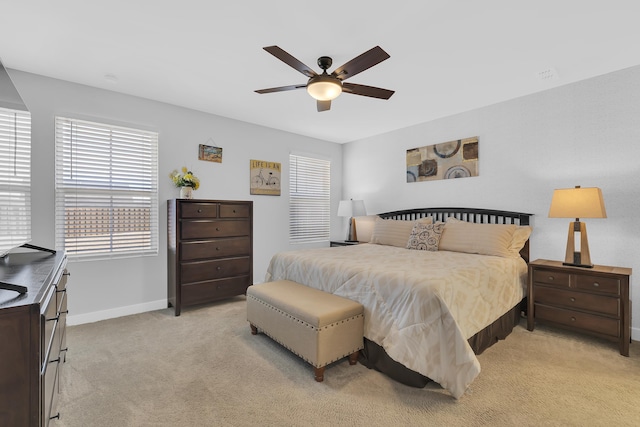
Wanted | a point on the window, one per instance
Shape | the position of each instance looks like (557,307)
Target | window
(15,178)
(106,190)
(310,202)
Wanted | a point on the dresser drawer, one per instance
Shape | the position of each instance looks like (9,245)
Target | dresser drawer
(551,277)
(214,289)
(576,319)
(577,300)
(234,211)
(62,323)
(199,210)
(49,319)
(50,391)
(200,271)
(217,248)
(193,229)
(605,285)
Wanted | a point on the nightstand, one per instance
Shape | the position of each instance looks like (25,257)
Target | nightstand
(335,243)
(590,300)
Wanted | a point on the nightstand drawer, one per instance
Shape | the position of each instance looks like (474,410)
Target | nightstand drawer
(576,319)
(551,277)
(578,300)
(606,285)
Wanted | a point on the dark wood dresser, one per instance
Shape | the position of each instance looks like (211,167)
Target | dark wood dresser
(590,300)
(32,337)
(210,250)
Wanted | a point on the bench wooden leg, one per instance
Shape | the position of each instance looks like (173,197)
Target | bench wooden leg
(353,358)
(318,374)
(254,330)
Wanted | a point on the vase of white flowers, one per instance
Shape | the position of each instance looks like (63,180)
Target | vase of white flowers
(186,181)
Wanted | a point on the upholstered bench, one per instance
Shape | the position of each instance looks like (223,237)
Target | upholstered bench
(317,326)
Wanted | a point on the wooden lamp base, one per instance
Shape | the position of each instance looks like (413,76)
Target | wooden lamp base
(583,257)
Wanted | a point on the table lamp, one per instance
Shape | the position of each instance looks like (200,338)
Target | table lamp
(577,203)
(351,208)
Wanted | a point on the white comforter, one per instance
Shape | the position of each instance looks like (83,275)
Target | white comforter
(420,306)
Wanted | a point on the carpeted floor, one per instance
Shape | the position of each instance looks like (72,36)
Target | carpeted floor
(204,368)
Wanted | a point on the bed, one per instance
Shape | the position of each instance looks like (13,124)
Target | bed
(439,286)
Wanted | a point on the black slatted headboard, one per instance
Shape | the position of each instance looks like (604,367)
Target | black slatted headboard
(481,216)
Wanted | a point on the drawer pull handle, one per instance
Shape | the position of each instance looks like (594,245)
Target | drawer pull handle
(199,210)
(217,228)
(551,278)
(573,319)
(596,284)
(219,268)
(572,299)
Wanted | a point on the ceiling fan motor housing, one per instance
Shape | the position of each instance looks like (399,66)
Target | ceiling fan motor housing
(325,62)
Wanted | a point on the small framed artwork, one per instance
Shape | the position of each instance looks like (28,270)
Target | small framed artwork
(210,153)
(264,177)
(447,160)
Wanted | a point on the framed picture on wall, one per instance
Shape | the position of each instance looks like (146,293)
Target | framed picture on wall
(264,177)
(447,160)
(210,153)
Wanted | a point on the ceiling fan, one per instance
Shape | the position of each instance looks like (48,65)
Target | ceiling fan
(325,87)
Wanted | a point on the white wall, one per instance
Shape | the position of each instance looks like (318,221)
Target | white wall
(587,134)
(104,289)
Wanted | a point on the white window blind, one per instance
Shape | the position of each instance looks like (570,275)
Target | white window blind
(106,190)
(309,199)
(15,178)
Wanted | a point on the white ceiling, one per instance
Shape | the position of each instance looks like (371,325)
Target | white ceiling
(447,56)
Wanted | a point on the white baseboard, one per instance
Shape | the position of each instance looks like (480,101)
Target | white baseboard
(635,334)
(96,316)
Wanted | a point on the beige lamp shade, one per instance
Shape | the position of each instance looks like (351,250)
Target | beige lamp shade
(577,203)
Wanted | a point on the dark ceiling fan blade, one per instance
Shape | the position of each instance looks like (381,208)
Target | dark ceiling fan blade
(281,88)
(360,63)
(290,60)
(373,92)
(324,106)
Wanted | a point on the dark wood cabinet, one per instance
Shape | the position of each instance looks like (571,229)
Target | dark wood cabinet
(210,250)
(591,300)
(33,337)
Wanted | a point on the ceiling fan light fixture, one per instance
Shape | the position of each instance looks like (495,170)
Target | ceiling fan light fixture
(324,87)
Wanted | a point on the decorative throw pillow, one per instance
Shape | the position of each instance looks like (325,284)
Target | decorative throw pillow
(393,232)
(425,237)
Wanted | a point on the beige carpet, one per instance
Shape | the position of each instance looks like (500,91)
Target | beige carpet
(205,368)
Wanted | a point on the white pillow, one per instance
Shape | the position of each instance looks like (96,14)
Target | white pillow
(394,232)
(484,239)
(364,227)
(520,237)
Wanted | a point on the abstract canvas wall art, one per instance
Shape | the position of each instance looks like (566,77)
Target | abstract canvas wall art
(447,160)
